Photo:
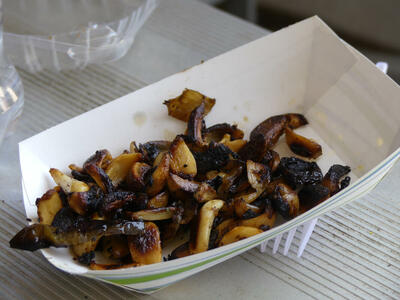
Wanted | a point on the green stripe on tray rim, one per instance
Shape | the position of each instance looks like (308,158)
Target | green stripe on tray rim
(153,277)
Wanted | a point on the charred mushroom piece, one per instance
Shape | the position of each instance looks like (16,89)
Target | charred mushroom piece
(264,221)
(145,247)
(48,206)
(245,210)
(101,158)
(239,233)
(214,157)
(181,106)
(151,150)
(104,267)
(216,132)
(158,201)
(332,178)
(233,145)
(204,193)
(159,177)
(271,159)
(221,229)
(206,218)
(156,214)
(195,125)
(112,202)
(119,167)
(298,171)
(179,187)
(100,177)
(182,161)
(301,145)
(258,175)
(39,236)
(285,201)
(267,133)
(115,247)
(181,251)
(311,195)
(137,176)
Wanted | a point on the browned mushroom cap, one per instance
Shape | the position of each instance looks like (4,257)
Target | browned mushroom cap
(301,145)
(181,106)
(271,159)
(101,158)
(311,195)
(267,133)
(264,221)
(119,167)
(179,186)
(195,125)
(216,132)
(245,210)
(137,176)
(332,177)
(285,201)
(158,201)
(145,247)
(205,192)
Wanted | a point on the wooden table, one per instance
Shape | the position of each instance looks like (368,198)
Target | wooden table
(353,253)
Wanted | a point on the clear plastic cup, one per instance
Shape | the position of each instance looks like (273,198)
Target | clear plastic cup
(70,34)
(11,90)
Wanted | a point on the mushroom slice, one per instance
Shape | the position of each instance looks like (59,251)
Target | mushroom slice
(158,201)
(181,251)
(248,198)
(258,175)
(156,214)
(301,145)
(271,159)
(48,206)
(195,125)
(216,132)
(159,177)
(145,248)
(119,167)
(238,233)
(68,184)
(264,221)
(182,160)
(100,177)
(133,147)
(285,201)
(115,246)
(137,176)
(84,252)
(181,106)
(216,156)
(39,236)
(311,195)
(151,150)
(234,145)
(222,228)
(206,218)
(298,171)
(204,193)
(332,178)
(245,210)
(267,133)
(101,158)
(178,184)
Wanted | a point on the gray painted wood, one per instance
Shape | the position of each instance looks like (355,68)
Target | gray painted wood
(353,253)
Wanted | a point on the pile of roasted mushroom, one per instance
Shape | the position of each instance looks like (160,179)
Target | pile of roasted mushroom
(208,181)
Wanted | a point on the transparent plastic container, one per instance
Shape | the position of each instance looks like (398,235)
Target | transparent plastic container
(11,90)
(70,34)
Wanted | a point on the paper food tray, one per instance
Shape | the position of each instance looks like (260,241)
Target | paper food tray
(350,104)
